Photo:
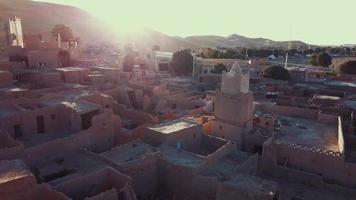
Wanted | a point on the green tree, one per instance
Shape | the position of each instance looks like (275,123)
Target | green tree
(314,60)
(219,68)
(321,59)
(276,72)
(182,62)
(324,59)
(348,67)
(64,31)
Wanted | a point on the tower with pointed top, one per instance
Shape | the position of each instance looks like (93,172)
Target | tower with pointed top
(11,32)
(233,107)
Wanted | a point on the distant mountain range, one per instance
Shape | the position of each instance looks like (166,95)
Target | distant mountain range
(40,17)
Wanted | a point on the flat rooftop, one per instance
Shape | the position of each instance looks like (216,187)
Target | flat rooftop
(13,169)
(350,103)
(179,157)
(221,169)
(71,69)
(173,126)
(78,105)
(36,139)
(6,111)
(306,131)
(60,168)
(227,167)
(253,184)
(129,152)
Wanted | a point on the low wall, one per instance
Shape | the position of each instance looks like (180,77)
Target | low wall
(310,160)
(93,184)
(288,110)
(326,118)
(143,171)
(98,138)
(182,183)
(223,148)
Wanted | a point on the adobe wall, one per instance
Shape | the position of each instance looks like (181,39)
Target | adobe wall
(142,171)
(97,98)
(190,138)
(39,191)
(292,101)
(252,139)
(94,183)
(8,153)
(210,78)
(288,110)
(234,109)
(107,195)
(98,138)
(136,116)
(6,141)
(228,191)
(65,119)
(183,184)
(48,56)
(309,159)
(219,146)
(310,179)
(184,103)
(140,117)
(228,131)
(5,78)
(208,127)
(45,78)
(16,185)
(45,91)
(326,118)
(77,76)
(144,174)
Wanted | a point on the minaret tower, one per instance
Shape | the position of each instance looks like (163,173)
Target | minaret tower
(233,108)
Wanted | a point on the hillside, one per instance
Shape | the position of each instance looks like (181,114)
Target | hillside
(235,40)
(40,17)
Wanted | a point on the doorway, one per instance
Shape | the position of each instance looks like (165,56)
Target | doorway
(40,124)
(17,131)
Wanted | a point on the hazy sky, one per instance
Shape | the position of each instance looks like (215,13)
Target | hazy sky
(314,21)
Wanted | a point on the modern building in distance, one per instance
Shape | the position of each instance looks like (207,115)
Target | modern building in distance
(11,32)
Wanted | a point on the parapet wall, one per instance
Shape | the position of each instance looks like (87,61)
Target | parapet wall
(223,147)
(183,183)
(326,118)
(97,138)
(94,183)
(288,110)
(330,165)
